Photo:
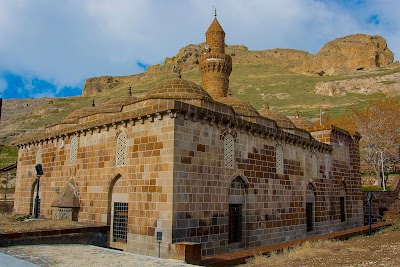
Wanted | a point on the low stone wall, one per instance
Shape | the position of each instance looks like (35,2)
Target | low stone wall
(92,235)
(381,202)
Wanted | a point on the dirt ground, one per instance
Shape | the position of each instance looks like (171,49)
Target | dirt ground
(381,249)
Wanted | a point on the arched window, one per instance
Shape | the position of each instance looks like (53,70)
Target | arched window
(39,156)
(327,165)
(314,165)
(229,151)
(279,159)
(121,149)
(73,151)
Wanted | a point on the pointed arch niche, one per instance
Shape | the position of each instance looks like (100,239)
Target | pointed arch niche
(118,211)
(310,207)
(237,214)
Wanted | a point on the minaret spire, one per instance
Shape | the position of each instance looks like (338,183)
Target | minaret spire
(215,66)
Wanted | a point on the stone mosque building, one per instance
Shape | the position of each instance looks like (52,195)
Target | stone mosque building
(193,163)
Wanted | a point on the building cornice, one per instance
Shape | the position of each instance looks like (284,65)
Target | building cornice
(175,109)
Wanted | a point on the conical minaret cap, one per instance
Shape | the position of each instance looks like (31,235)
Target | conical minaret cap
(215,27)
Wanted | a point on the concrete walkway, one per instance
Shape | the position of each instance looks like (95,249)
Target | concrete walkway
(240,256)
(10,261)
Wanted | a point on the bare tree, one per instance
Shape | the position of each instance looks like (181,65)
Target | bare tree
(379,125)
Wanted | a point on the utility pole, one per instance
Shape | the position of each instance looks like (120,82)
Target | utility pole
(39,172)
(5,190)
(383,173)
(320,116)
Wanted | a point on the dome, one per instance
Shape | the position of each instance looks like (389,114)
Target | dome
(178,89)
(240,107)
(280,119)
(115,104)
(303,123)
(74,116)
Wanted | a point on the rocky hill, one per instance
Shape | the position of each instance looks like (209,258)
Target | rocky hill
(345,55)
(359,66)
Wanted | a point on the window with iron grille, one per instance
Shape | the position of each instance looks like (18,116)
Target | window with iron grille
(121,149)
(120,222)
(229,151)
(73,151)
(342,209)
(235,223)
(279,159)
(309,216)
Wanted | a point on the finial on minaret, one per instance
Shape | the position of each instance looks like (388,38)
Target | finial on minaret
(215,12)
(93,104)
(130,91)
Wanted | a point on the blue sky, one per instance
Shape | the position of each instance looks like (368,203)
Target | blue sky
(48,48)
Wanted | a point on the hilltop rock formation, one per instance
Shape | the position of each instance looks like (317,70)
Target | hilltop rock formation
(98,84)
(352,53)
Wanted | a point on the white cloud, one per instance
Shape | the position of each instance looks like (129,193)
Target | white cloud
(65,42)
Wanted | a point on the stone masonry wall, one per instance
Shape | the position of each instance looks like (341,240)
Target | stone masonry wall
(146,178)
(274,207)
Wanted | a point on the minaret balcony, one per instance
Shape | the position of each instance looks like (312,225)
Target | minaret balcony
(215,57)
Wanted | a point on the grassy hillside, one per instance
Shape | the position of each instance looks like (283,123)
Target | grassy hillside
(259,84)
(282,90)
(8,155)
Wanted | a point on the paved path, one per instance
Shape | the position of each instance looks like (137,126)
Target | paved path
(84,256)
(10,261)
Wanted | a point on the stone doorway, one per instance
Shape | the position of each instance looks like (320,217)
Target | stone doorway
(237,214)
(310,207)
(235,223)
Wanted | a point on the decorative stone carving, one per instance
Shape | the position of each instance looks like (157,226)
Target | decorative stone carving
(66,206)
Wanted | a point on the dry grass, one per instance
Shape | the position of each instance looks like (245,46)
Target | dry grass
(381,249)
(9,223)
(296,254)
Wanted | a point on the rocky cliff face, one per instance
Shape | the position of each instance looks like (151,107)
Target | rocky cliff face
(340,56)
(15,112)
(388,85)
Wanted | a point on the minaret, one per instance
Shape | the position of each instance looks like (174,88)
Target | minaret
(215,65)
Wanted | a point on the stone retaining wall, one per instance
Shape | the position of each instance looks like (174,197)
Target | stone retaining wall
(94,235)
